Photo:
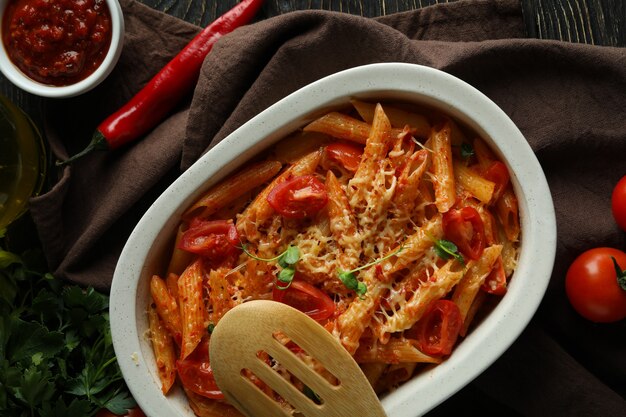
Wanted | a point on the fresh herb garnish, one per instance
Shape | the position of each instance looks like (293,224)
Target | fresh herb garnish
(621,275)
(210,328)
(286,260)
(467,151)
(352,283)
(447,250)
(56,352)
(350,280)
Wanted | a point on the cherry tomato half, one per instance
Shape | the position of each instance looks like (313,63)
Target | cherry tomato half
(465,228)
(592,287)
(348,155)
(196,374)
(214,239)
(498,174)
(133,412)
(618,203)
(298,197)
(305,297)
(436,332)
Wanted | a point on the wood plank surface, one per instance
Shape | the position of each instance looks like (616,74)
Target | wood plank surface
(597,22)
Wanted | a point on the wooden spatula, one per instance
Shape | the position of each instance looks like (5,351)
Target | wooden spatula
(249,328)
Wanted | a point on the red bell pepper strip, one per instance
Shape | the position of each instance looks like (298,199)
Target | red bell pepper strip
(153,102)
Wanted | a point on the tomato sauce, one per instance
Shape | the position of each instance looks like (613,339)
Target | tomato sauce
(57,42)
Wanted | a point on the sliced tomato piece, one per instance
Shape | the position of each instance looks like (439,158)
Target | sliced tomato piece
(436,332)
(196,374)
(348,155)
(497,173)
(216,240)
(307,298)
(495,283)
(465,228)
(298,197)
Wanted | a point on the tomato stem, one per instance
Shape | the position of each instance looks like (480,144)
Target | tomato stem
(621,275)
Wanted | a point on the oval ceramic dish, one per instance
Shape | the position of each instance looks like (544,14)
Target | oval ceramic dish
(142,254)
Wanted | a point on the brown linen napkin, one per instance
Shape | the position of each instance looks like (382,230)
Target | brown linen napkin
(569,101)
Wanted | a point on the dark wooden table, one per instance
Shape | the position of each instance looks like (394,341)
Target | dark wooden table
(597,22)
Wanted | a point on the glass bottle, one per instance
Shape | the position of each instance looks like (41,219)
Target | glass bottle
(22,161)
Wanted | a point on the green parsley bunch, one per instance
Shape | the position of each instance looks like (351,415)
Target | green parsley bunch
(56,352)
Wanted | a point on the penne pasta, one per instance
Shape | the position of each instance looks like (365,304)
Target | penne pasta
(410,311)
(164,353)
(418,124)
(396,351)
(378,243)
(507,212)
(166,306)
(172,285)
(220,295)
(179,258)
(340,126)
(471,313)
(466,291)
(442,169)
(373,371)
(229,190)
(342,224)
(192,308)
(472,182)
(484,155)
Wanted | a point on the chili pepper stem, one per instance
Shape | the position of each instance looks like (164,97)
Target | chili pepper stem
(98,143)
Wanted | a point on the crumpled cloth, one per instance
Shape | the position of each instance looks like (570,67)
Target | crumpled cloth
(569,100)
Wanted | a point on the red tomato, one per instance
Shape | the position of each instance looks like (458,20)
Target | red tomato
(436,332)
(618,203)
(305,297)
(298,197)
(196,374)
(592,285)
(133,412)
(498,174)
(465,228)
(348,155)
(495,283)
(214,239)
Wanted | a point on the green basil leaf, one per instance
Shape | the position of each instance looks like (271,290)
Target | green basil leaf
(361,289)
(447,250)
(289,257)
(286,275)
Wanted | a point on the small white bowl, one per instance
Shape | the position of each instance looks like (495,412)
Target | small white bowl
(143,253)
(21,80)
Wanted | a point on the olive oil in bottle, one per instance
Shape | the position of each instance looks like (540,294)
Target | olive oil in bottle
(22,161)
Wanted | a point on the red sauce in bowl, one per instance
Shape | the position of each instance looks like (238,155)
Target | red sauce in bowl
(57,42)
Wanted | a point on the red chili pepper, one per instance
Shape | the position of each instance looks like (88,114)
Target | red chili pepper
(148,107)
